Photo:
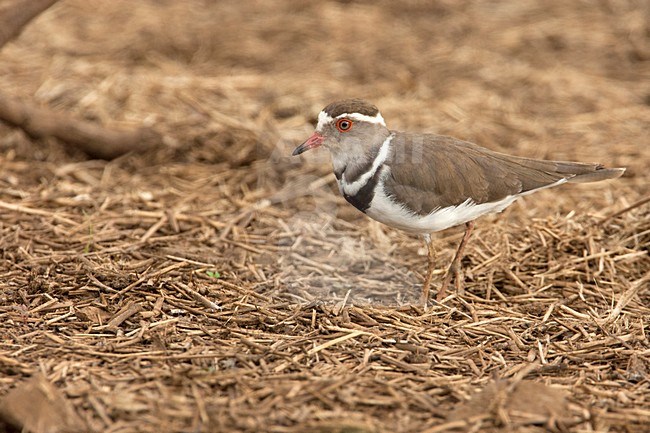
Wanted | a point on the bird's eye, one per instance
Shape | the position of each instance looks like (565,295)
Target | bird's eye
(343,125)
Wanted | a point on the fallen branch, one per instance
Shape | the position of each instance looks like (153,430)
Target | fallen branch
(14,16)
(93,139)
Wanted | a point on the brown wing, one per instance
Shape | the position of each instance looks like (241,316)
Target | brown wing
(432,171)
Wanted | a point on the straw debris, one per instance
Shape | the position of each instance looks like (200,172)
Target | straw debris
(217,284)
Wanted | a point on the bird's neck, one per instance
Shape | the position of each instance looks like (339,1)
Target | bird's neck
(359,159)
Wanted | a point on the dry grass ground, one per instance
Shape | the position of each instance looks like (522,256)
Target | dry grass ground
(218,284)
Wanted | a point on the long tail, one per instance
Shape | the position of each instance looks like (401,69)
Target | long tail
(597,174)
(574,172)
(536,173)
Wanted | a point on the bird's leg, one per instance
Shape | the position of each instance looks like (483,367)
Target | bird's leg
(431,260)
(455,263)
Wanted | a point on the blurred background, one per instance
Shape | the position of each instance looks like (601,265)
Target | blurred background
(567,80)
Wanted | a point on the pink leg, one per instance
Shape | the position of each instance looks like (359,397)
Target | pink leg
(427,280)
(455,263)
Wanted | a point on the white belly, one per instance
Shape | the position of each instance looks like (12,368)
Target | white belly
(385,210)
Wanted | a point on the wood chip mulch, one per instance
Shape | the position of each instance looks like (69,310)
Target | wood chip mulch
(221,285)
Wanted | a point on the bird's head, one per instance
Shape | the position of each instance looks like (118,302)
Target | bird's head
(349,129)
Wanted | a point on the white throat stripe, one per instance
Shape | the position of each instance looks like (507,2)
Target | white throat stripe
(324,118)
(354,187)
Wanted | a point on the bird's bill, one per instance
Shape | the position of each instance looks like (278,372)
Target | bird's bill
(312,142)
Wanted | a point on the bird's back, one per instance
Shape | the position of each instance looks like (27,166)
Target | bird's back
(429,172)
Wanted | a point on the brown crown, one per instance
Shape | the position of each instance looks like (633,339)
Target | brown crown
(351,106)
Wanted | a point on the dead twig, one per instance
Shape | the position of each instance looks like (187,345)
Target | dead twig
(127,311)
(634,205)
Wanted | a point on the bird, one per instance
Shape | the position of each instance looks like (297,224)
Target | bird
(422,183)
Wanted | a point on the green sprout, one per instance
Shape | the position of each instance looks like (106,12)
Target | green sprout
(213,274)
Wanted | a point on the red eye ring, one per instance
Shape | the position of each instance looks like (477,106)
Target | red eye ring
(344,125)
